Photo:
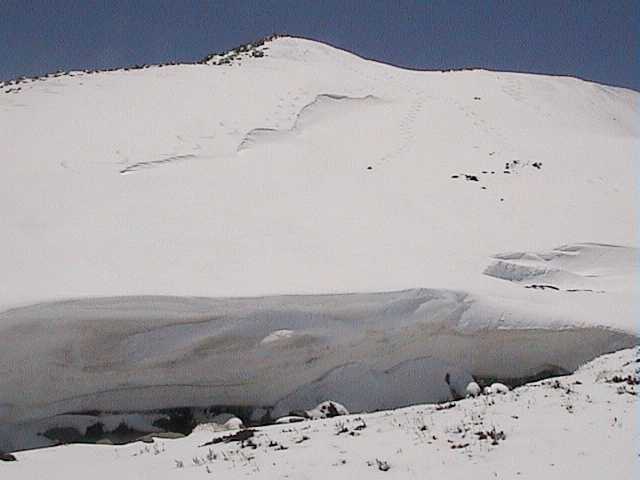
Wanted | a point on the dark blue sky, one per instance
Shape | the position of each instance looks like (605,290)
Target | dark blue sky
(595,40)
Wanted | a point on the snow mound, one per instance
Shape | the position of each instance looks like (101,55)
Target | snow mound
(220,423)
(473,389)
(327,409)
(496,388)
(319,114)
(277,335)
(584,267)
(290,419)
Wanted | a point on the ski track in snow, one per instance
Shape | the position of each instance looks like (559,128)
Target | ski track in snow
(407,129)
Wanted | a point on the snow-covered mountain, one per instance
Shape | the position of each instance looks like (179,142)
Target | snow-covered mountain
(193,235)
(252,178)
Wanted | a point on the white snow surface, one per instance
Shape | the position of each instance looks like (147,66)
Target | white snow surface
(252,179)
(473,389)
(191,235)
(579,426)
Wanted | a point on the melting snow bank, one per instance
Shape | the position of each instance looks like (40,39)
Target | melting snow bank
(139,365)
(550,429)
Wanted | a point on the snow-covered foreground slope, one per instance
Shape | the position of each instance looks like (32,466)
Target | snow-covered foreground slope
(579,426)
(177,236)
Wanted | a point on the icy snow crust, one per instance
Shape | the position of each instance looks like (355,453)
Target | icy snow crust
(155,231)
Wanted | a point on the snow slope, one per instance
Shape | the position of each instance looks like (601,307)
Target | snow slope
(580,426)
(252,179)
(156,223)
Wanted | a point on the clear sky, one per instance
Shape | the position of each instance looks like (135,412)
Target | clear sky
(594,40)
